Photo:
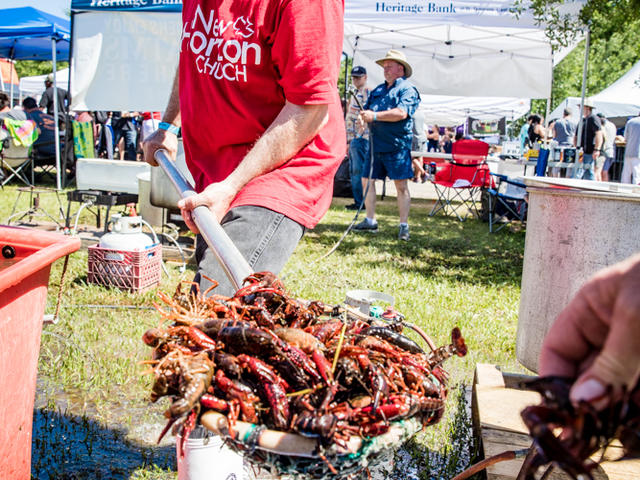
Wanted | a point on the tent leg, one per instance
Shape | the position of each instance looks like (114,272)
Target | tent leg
(55,113)
(346,87)
(11,82)
(585,66)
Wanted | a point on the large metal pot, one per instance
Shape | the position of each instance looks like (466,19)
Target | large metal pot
(571,234)
(163,194)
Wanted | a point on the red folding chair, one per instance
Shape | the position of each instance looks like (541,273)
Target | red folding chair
(460,180)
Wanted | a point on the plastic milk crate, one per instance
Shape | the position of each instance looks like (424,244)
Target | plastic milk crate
(133,270)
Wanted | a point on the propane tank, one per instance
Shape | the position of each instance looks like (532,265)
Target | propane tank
(126,234)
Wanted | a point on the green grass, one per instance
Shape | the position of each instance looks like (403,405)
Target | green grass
(449,273)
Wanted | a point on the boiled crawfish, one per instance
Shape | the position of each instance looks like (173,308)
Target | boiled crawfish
(567,435)
(264,357)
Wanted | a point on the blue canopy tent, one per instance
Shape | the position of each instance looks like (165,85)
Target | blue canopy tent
(29,34)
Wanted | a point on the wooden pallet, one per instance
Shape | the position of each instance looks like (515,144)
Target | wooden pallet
(497,402)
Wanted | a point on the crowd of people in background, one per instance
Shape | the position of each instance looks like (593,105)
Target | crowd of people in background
(385,128)
(119,135)
(116,135)
(591,142)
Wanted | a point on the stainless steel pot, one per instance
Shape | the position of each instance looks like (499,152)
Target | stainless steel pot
(163,193)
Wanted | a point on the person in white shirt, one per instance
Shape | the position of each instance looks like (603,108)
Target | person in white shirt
(631,168)
(607,147)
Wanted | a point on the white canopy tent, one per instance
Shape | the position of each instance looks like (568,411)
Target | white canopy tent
(618,101)
(462,47)
(616,112)
(624,90)
(125,60)
(445,110)
(34,86)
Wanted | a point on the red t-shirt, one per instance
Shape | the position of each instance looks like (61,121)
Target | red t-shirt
(239,61)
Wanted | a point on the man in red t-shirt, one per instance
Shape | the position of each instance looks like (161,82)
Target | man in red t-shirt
(257,100)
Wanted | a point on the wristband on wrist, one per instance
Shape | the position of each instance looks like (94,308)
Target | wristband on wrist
(169,128)
(375,115)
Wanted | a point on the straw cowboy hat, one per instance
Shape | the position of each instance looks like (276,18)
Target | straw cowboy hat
(397,56)
(588,102)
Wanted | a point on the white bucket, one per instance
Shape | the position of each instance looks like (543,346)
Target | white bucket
(109,175)
(208,459)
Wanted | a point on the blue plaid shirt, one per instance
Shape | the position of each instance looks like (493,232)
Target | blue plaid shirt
(393,136)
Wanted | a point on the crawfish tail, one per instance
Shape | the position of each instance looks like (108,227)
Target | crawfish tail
(277,399)
(214,403)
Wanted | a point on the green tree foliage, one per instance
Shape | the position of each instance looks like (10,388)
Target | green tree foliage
(29,68)
(615,29)
(611,55)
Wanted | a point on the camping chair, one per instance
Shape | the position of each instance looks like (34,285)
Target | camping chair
(504,203)
(44,157)
(460,179)
(15,149)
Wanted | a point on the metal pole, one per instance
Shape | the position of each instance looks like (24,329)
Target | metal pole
(11,67)
(546,114)
(346,87)
(55,112)
(584,88)
(70,61)
(232,261)
(68,124)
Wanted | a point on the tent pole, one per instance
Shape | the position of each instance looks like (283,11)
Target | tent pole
(584,85)
(70,62)
(55,112)
(68,124)
(11,81)
(546,114)
(346,71)
(346,87)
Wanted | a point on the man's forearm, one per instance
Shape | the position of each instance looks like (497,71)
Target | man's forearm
(392,115)
(172,112)
(599,140)
(291,130)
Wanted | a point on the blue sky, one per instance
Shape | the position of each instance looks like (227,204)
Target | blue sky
(55,7)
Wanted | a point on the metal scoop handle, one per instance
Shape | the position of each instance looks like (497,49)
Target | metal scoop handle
(232,261)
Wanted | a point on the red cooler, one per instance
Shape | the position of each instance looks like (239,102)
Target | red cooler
(26,259)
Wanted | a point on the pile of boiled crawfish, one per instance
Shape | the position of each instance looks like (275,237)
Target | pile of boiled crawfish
(266,358)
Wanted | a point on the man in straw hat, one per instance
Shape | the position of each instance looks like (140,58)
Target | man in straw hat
(590,140)
(389,113)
